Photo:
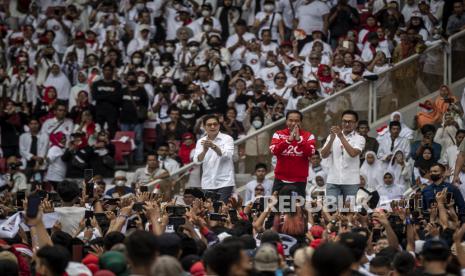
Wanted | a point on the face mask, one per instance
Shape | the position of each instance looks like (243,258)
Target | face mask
(257,124)
(312,91)
(139,6)
(205,13)
(193,49)
(165,63)
(136,60)
(131,82)
(141,79)
(120,183)
(268,8)
(435,177)
(269,63)
(207,28)
(169,50)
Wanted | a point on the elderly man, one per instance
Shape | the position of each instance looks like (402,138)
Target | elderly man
(120,189)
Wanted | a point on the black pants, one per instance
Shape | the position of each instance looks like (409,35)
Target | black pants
(298,187)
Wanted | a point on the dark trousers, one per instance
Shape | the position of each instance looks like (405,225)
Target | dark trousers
(298,187)
(225,193)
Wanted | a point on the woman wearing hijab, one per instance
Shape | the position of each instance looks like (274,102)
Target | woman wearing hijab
(82,85)
(56,170)
(320,187)
(57,79)
(389,190)
(373,169)
(88,127)
(446,101)
(405,131)
(424,162)
(44,108)
(401,169)
(445,135)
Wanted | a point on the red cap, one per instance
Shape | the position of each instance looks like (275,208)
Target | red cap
(79,35)
(317,231)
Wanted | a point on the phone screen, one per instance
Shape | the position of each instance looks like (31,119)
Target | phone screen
(33,203)
(20,197)
(88,174)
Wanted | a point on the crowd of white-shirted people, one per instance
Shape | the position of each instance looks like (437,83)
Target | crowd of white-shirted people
(102,102)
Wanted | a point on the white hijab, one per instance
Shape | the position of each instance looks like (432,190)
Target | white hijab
(396,170)
(373,172)
(405,131)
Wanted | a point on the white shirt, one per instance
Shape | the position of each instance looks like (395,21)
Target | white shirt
(70,217)
(212,87)
(25,141)
(345,170)
(390,192)
(56,167)
(449,157)
(250,189)
(53,125)
(400,143)
(311,16)
(218,171)
(169,164)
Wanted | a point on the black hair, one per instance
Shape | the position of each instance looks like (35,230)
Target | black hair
(68,190)
(142,248)
(324,263)
(172,108)
(350,112)
(443,168)
(131,74)
(241,22)
(108,65)
(427,128)
(210,116)
(395,123)
(293,111)
(261,166)
(221,257)
(63,239)
(9,268)
(203,66)
(380,261)
(403,262)
(460,131)
(356,243)
(55,258)
(111,239)
(242,227)
(248,241)
(163,144)
(363,123)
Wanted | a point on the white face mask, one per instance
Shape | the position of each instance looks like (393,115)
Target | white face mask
(139,6)
(257,124)
(169,50)
(205,13)
(268,8)
(207,28)
(269,63)
(165,63)
(136,60)
(141,79)
(120,183)
(193,49)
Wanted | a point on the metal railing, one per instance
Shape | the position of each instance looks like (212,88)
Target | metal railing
(404,83)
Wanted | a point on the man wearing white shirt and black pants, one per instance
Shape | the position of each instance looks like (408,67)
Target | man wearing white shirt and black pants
(216,150)
(343,149)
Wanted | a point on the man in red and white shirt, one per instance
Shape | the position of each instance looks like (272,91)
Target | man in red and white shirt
(293,148)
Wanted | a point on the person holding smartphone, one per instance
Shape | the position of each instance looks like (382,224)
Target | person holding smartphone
(293,148)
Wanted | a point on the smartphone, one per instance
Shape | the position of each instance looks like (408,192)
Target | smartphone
(176,221)
(448,198)
(77,253)
(376,234)
(212,195)
(90,189)
(176,211)
(88,214)
(88,174)
(217,205)
(411,204)
(112,201)
(33,202)
(216,217)
(143,189)
(233,215)
(138,207)
(20,197)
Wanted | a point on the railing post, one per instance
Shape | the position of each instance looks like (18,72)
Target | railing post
(447,64)
(373,103)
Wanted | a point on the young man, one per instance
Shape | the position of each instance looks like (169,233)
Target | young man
(292,147)
(215,151)
(371,144)
(260,182)
(343,148)
(392,143)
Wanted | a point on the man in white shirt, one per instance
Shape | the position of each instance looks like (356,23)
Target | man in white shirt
(237,43)
(59,123)
(313,16)
(257,184)
(216,151)
(343,148)
(69,215)
(166,163)
(150,172)
(390,144)
(33,146)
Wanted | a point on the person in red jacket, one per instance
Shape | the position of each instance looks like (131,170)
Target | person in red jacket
(293,148)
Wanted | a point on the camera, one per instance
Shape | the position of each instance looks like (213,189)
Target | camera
(14,166)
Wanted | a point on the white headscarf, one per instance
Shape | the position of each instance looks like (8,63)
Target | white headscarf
(405,132)
(396,170)
(372,172)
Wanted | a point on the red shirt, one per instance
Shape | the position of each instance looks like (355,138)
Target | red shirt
(293,157)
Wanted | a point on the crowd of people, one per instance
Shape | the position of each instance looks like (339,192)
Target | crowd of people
(179,81)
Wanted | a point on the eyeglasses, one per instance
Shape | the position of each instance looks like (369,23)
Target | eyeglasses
(345,122)
(212,124)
